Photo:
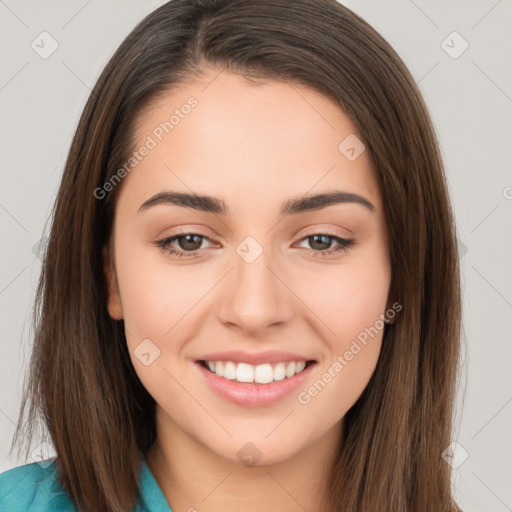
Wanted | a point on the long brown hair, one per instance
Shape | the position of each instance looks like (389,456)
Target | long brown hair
(82,387)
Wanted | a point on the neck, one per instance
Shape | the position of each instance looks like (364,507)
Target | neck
(193,478)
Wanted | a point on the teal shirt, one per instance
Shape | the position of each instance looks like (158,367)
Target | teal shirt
(35,487)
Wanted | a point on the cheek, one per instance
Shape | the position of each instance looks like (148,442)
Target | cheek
(155,295)
(158,307)
(348,300)
(350,305)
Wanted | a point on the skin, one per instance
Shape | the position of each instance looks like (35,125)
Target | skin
(253,146)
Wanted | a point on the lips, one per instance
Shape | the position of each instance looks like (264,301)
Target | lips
(253,395)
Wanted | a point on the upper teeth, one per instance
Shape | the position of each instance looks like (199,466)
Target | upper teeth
(261,374)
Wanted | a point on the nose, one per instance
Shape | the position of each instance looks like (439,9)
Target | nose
(255,295)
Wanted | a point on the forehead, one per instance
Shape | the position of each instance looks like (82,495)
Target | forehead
(225,136)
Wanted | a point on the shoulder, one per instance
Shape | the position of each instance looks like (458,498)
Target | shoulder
(33,487)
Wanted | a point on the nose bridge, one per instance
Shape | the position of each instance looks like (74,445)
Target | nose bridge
(256,297)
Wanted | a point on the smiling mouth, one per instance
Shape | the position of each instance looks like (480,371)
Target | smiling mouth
(256,374)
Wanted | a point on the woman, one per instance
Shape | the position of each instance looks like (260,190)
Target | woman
(302,352)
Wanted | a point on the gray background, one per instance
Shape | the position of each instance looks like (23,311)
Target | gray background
(470,99)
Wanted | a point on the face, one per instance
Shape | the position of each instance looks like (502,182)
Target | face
(256,270)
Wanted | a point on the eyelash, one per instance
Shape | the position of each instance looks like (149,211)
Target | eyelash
(344,244)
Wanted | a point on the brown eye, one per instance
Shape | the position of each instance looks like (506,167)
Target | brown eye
(183,245)
(190,242)
(321,243)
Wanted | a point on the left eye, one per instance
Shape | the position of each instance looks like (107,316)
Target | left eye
(190,243)
(342,244)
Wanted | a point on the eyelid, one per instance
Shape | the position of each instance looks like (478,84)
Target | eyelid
(324,231)
(189,230)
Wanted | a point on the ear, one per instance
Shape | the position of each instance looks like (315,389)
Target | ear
(114,306)
(391,320)
(393,306)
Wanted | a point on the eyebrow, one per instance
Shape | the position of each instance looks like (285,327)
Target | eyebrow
(292,206)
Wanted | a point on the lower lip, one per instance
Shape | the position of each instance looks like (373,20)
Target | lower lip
(252,394)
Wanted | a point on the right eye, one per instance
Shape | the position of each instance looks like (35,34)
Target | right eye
(190,244)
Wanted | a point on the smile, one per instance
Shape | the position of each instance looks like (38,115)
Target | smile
(254,386)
